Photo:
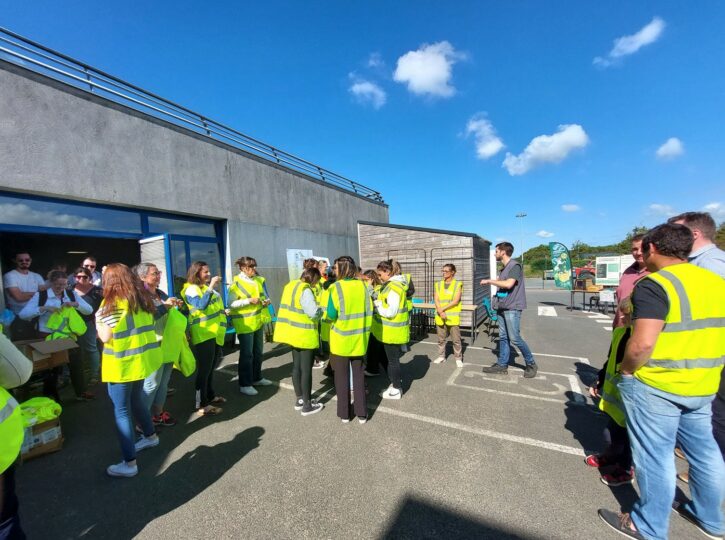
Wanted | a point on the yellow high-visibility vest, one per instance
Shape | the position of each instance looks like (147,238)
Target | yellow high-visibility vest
(11,430)
(209,323)
(325,323)
(445,297)
(247,319)
(134,351)
(688,356)
(350,332)
(611,402)
(265,313)
(293,326)
(66,323)
(395,331)
(408,301)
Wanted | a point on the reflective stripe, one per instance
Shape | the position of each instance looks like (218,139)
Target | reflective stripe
(132,352)
(341,298)
(349,332)
(610,399)
(197,320)
(687,364)
(685,309)
(292,308)
(8,409)
(245,315)
(297,324)
(353,316)
(699,324)
(241,288)
(388,322)
(132,330)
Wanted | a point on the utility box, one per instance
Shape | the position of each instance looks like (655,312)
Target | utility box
(423,252)
(610,269)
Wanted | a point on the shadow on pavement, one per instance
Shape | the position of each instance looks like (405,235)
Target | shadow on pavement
(416,519)
(553,304)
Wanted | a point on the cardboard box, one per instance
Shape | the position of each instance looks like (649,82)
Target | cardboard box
(42,439)
(46,354)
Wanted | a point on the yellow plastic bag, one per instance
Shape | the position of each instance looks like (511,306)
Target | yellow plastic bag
(174,345)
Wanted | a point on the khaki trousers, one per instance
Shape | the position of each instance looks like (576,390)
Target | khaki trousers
(455,333)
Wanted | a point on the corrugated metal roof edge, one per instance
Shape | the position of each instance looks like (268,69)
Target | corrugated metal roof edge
(423,229)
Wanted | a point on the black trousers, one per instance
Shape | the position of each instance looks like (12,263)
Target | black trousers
(341,366)
(9,520)
(302,372)
(374,356)
(391,363)
(208,356)
(618,449)
(77,373)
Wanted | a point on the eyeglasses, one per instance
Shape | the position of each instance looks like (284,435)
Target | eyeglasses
(446,271)
(89,266)
(157,273)
(82,276)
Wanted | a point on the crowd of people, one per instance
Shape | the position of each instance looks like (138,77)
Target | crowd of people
(661,377)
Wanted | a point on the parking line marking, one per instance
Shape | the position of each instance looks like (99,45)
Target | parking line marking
(472,430)
(546,311)
(581,358)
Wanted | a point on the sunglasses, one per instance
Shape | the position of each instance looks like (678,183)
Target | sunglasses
(82,276)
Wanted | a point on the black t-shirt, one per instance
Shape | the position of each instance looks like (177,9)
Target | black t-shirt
(650,301)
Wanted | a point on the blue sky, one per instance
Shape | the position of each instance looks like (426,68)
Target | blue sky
(442,108)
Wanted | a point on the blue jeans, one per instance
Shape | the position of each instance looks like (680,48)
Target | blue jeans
(655,420)
(155,386)
(509,328)
(251,348)
(89,349)
(128,403)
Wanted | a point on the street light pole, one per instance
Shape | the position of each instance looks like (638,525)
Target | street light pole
(522,215)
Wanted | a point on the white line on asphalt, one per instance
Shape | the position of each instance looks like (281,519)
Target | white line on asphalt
(547,311)
(581,358)
(475,431)
(607,328)
(604,321)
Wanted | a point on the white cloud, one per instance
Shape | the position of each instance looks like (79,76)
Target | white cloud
(428,70)
(544,234)
(570,207)
(375,60)
(626,45)
(662,210)
(488,143)
(716,209)
(547,149)
(368,93)
(22,214)
(671,149)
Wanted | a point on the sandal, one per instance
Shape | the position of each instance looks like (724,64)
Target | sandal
(218,399)
(208,411)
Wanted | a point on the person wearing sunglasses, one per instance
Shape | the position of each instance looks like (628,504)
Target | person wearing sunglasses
(20,284)
(84,288)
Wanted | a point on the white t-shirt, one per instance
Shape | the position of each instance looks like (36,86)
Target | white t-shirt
(25,282)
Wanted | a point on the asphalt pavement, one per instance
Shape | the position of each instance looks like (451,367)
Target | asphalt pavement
(462,455)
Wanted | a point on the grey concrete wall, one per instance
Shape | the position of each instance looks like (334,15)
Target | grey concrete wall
(64,142)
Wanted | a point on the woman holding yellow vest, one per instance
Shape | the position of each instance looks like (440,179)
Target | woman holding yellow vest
(131,352)
(390,324)
(208,325)
(350,309)
(447,298)
(297,327)
(246,301)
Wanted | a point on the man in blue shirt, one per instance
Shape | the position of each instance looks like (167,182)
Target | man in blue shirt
(705,253)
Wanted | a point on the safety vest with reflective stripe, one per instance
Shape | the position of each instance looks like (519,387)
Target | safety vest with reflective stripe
(445,297)
(65,323)
(209,323)
(395,331)
(247,319)
(610,401)
(325,323)
(11,430)
(689,353)
(408,301)
(293,326)
(134,351)
(266,313)
(350,332)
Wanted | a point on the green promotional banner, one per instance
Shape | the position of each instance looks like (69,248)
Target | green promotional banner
(561,265)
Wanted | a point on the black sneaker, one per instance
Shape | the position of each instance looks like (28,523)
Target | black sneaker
(530,371)
(496,369)
(312,408)
(298,404)
(678,507)
(620,523)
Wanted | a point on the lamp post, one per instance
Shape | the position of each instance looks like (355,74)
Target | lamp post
(522,215)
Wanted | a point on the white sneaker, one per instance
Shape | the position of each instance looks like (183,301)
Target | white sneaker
(263,382)
(345,420)
(248,390)
(439,360)
(459,362)
(146,442)
(392,393)
(362,420)
(122,469)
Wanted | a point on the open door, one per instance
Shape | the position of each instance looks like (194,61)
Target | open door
(156,250)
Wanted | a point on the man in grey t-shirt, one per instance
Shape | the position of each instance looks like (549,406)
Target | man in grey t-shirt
(511,297)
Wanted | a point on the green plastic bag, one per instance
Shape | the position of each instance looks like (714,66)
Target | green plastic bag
(175,346)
